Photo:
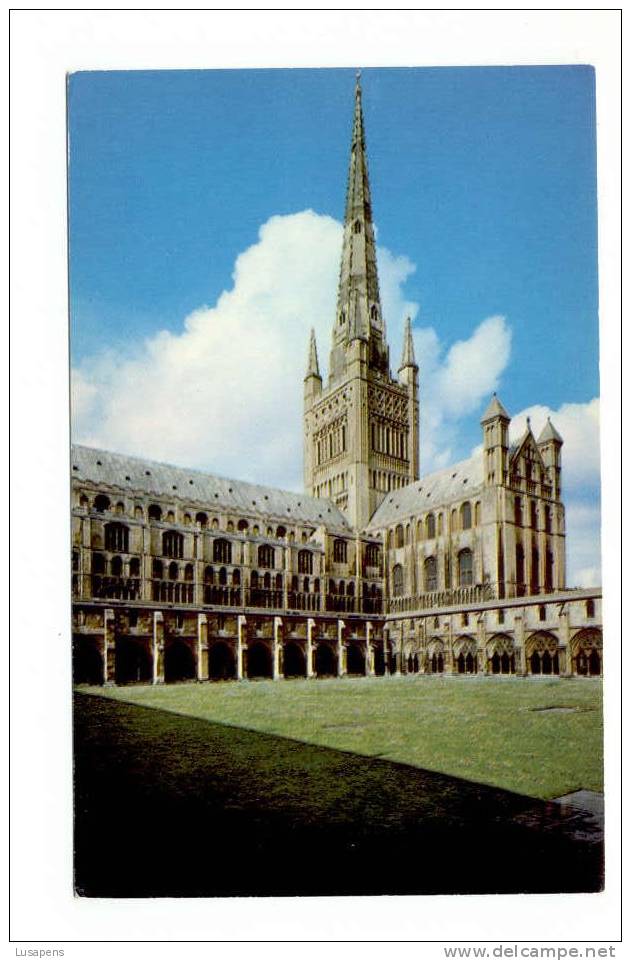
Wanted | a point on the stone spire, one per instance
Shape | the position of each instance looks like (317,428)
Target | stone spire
(358,315)
(549,433)
(313,368)
(407,357)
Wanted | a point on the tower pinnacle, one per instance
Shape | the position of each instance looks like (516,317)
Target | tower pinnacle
(313,368)
(407,357)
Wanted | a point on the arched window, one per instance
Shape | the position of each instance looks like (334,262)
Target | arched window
(533,515)
(316,586)
(236,577)
(519,569)
(84,502)
(465,568)
(305,586)
(101,503)
(98,564)
(156,569)
(267,580)
(254,580)
(117,566)
(373,555)
(547,513)
(223,576)
(339,551)
(139,512)
(201,519)
(465,516)
(398,535)
(266,556)
(357,227)
(188,572)
(209,575)
(173,544)
(534,571)
(280,532)
(518,517)
(589,608)
(454,519)
(242,525)
(279,582)
(155,512)
(477,513)
(116,537)
(173,571)
(549,572)
(134,567)
(222,551)
(374,313)
(430,526)
(431,574)
(397,580)
(305,562)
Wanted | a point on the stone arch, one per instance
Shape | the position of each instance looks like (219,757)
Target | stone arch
(221,662)
(325,660)
(87,664)
(500,654)
(355,660)
(133,664)
(179,662)
(542,653)
(587,652)
(259,659)
(294,660)
(435,661)
(466,655)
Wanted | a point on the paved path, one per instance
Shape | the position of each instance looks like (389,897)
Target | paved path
(167,805)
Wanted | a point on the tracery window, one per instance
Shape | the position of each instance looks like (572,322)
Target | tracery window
(397,580)
(305,562)
(266,556)
(339,551)
(465,516)
(398,534)
(430,526)
(518,518)
(465,568)
(431,574)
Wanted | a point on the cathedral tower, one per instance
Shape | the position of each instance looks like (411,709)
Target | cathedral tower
(361,431)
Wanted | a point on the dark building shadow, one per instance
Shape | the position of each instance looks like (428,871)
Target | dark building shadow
(173,806)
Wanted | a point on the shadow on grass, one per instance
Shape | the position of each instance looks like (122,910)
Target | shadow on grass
(173,806)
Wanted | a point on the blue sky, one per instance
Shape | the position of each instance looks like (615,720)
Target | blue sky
(484,196)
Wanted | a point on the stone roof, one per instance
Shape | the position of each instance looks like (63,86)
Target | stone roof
(205,491)
(549,432)
(439,489)
(495,409)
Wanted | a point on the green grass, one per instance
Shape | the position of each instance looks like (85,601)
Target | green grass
(482,729)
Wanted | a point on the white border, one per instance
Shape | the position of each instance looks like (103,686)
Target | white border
(45,45)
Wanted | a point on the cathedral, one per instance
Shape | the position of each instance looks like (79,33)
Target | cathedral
(377,569)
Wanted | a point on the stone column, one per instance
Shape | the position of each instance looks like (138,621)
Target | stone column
(157,649)
(341,650)
(370,653)
(520,650)
(241,626)
(310,627)
(202,647)
(277,649)
(565,649)
(109,647)
(481,643)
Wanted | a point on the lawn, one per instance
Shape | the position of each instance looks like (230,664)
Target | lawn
(493,731)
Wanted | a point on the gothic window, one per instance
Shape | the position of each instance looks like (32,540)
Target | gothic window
(254,580)
(465,568)
(518,511)
(156,569)
(280,532)
(373,555)
(155,512)
(223,576)
(116,537)
(431,574)
(547,519)
(316,586)
(542,612)
(397,580)
(173,544)
(101,503)
(342,318)
(209,575)
(173,571)
(266,556)
(454,519)
(533,515)
(374,314)
(589,608)
(407,534)
(519,569)
(430,526)
(440,524)
(305,562)
(236,577)
(399,535)
(242,526)
(117,566)
(222,551)
(357,227)
(339,551)
(305,586)
(98,564)
(549,571)
(134,567)
(188,572)
(534,571)
(477,513)
(465,516)
(201,519)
